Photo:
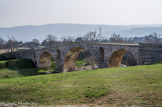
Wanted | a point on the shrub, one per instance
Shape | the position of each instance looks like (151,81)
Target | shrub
(20,63)
(79,63)
(2,65)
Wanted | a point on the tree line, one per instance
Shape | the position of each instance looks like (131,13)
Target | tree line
(92,36)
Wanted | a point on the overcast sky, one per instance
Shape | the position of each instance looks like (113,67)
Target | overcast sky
(112,12)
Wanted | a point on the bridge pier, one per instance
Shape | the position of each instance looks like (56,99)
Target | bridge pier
(101,63)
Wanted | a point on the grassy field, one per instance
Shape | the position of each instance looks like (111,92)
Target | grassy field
(139,85)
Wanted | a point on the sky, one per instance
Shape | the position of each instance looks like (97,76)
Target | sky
(109,12)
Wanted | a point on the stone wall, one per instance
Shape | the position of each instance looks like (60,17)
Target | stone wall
(150,53)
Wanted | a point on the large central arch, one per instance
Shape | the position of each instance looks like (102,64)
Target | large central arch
(117,56)
(70,59)
(45,60)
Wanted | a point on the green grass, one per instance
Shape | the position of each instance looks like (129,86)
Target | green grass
(10,73)
(2,64)
(80,63)
(139,85)
(53,64)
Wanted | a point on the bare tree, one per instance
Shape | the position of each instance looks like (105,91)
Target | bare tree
(152,38)
(2,42)
(116,38)
(92,36)
(51,40)
(36,41)
(11,43)
(68,39)
(79,39)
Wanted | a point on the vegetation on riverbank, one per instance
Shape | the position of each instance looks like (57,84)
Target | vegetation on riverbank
(21,67)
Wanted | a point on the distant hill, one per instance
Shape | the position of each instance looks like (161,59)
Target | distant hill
(27,33)
(141,31)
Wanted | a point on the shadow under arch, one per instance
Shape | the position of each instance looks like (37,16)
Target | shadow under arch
(71,57)
(58,54)
(45,60)
(101,53)
(129,59)
(121,56)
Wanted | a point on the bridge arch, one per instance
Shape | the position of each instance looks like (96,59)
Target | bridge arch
(71,57)
(45,60)
(117,57)
(129,59)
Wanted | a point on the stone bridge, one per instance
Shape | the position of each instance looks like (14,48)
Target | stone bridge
(104,54)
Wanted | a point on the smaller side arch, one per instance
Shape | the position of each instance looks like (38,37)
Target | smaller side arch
(45,60)
(129,59)
(116,58)
(122,57)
